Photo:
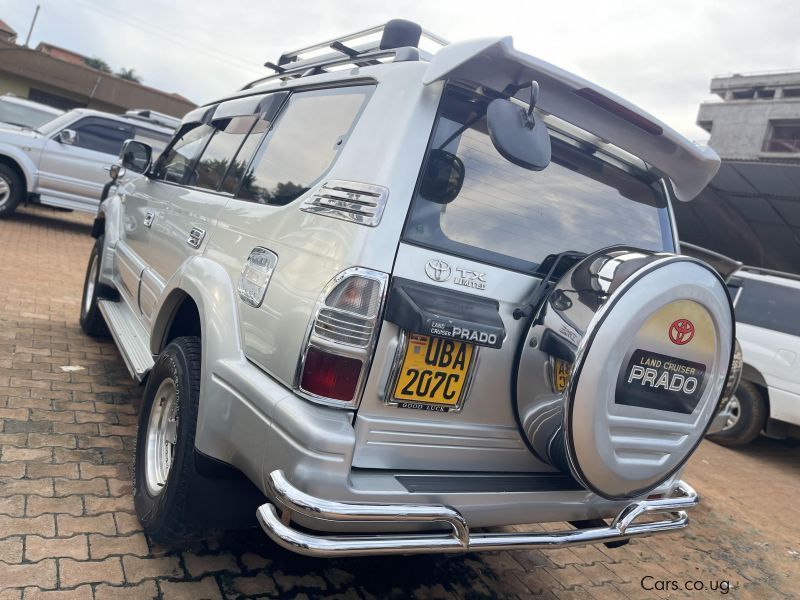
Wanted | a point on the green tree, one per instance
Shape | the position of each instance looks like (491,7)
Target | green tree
(98,63)
(129,74)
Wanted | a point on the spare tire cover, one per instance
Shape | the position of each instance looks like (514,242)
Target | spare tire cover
(649,337)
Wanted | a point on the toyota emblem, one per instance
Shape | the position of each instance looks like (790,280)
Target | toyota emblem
(681,332)
(438,270)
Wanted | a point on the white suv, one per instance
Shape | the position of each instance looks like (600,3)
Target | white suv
(65,161)
(383,298)
(768,329)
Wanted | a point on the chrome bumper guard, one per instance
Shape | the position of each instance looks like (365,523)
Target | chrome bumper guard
(277,527)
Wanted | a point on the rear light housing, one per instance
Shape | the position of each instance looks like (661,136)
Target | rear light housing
(340,339)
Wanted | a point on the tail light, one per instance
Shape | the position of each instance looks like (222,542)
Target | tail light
(341,337)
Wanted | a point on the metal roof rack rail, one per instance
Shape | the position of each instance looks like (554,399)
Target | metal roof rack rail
(772,272)
(151,116)
(398,39)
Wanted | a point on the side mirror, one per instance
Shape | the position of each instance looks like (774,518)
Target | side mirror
(116,171)
(443,177)
(517,134)
(135,156)
(67,136)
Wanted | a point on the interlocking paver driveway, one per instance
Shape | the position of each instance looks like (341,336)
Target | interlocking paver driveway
(67,528)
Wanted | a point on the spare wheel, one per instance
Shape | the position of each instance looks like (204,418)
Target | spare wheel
(633,348)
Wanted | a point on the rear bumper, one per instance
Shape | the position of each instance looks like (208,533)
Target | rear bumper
(295,502)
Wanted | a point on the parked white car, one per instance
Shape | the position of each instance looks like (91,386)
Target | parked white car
(768,329)
(383,299)
(64,162)
(20,112)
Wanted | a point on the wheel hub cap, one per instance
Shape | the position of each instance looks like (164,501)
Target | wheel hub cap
(161,437)
(5,191)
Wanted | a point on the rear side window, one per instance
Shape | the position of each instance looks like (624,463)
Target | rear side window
(246,150)
(220,152)
(304,142)
(770,306)
(101,135)
(513,217)
(174,164)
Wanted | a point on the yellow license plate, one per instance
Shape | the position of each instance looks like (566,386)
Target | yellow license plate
(561,370)
(434,371)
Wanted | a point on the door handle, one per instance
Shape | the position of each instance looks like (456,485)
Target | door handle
(149,217)
(196,237)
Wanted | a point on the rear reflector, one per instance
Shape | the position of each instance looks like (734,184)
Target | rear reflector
(330,375)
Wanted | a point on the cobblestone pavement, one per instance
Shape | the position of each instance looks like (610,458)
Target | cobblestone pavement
(67,528)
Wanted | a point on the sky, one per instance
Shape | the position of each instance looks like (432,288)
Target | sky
(660,55)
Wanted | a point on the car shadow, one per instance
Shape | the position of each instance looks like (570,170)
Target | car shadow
(54,218)
(779,452)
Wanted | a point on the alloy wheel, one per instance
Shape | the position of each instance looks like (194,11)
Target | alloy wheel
(162,435)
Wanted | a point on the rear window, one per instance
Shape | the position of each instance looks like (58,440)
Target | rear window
(305,141)
(512,217)
(769,306)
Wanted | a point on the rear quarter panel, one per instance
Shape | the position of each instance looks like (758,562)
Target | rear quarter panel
(385,148)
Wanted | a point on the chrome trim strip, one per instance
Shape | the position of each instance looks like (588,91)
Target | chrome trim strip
(196,236)
(279,529)
(361,203)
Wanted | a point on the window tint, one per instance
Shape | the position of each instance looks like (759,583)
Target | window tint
(243,156)
(102,136)
(770,306)
(513,217)
(303,144)
(176,161)
(220,152)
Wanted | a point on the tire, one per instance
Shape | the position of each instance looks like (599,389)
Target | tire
(162,488)
(91,319)
(12,191)
(752,416)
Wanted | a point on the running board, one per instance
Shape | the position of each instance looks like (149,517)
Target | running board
(130,336)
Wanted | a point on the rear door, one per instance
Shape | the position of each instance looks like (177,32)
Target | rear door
(435,404)
(73,176)
(191,183)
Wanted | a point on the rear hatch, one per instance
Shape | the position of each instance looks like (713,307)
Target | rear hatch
(444,402)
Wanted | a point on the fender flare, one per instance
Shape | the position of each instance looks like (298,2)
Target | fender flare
(211,289)
(109,211)
(753,375)
(25,164)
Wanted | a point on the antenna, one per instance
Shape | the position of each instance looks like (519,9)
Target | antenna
(33,22)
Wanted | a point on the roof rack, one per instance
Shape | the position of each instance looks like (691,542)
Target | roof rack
(398,39)
(772,272)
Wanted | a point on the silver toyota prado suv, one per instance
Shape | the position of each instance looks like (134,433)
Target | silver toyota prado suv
(402,292)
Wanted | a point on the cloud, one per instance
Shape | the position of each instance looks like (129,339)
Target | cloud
(660,55)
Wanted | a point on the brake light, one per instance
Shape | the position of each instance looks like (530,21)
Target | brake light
(340,339)
(330,375)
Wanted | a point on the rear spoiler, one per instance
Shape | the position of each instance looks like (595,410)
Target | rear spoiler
(494,63)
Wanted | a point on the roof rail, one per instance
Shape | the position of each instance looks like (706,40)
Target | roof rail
(151,116)
(397,38)
(772,272)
